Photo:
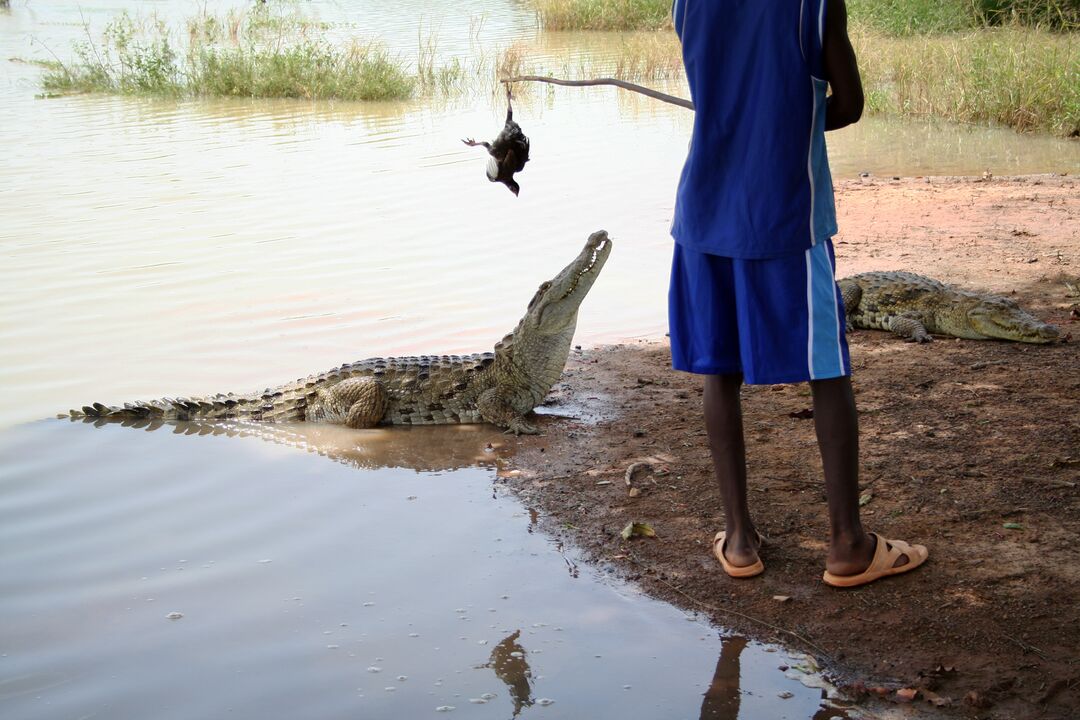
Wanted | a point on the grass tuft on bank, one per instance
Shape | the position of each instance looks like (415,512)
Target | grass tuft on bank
(604,14)
(925,17)
(1015,76)
(255,55)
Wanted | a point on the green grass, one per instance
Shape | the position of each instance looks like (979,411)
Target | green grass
(1024,78)
(1061,15)
(256,54)
(922,17)
(911,17)
(604,14)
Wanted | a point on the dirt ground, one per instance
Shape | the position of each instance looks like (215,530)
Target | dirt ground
(972,448)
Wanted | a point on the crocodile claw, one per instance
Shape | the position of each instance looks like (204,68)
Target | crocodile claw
(520,427)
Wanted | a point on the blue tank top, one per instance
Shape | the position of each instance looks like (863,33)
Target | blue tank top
(756,182)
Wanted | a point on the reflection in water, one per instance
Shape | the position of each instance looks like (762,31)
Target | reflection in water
(424,449)
(723,699)
(509,663)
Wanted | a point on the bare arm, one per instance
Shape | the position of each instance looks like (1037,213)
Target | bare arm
(845,104)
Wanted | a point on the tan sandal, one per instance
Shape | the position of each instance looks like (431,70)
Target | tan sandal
(885,556)
(736,571)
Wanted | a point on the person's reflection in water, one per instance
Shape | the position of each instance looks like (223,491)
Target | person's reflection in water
(723,696)
(509,663)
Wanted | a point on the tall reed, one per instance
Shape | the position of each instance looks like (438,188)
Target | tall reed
(1024,78)
(604,14)
(251,55)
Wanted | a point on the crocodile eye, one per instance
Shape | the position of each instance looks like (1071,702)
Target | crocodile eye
(539,294)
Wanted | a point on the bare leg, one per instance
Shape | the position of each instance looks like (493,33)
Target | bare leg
(837,424)
(723,421)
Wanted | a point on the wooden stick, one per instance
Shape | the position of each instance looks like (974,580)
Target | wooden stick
(655,94)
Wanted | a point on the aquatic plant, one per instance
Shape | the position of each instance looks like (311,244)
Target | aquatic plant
(256,54)
(604,14)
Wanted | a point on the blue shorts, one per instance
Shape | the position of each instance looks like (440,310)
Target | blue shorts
(779,320)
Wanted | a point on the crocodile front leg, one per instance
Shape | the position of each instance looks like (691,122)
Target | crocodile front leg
(851,293)
(910,328)
(496,407)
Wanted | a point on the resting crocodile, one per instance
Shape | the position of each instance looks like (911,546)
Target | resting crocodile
(498,387)
(916,307)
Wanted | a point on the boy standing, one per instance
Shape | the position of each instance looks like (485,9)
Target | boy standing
(753,297)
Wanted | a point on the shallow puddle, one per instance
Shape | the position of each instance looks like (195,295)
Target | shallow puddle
(172,575)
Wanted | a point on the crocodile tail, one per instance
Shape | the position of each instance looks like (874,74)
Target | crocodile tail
(271,405)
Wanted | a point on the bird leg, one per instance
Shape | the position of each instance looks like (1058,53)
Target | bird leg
(473,143)
(509,106)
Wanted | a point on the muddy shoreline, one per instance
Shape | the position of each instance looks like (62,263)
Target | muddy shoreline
(972,448)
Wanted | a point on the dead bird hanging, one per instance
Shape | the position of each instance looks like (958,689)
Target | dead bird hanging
(509,151)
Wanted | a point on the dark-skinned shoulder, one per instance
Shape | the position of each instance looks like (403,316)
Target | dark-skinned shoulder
(845,104)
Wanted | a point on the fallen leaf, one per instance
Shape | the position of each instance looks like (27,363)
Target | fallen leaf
(865,498)
(782,598)
(637,529)
(634,492)
(1013,526)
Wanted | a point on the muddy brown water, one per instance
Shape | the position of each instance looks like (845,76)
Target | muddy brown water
(155,247)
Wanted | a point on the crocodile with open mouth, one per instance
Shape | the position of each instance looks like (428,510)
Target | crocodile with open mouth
(498,387)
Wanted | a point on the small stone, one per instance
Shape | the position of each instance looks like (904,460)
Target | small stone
(906,694)
(784,695)
(174,616)
(544,702)
(782,598)
(445,708)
